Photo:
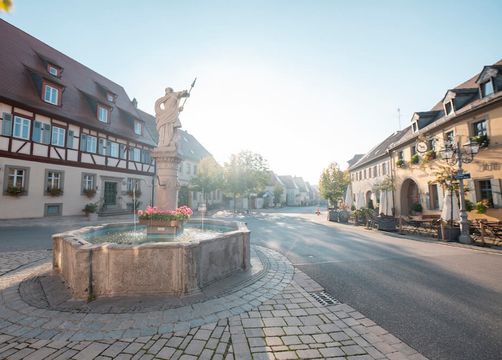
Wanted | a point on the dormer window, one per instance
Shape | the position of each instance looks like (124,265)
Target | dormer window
(110,97)
(415,127)
(103,113)
(138,128)
(54,71)
(51,94)
(487,88)
(448,107)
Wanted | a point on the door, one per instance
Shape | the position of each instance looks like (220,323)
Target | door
(110,196)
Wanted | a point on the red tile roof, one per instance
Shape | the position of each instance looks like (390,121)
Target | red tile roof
(23,63)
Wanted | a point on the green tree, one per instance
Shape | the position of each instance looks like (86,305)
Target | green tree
(209,177)
(246,173)
(332,183)
(278,191)
(5,5)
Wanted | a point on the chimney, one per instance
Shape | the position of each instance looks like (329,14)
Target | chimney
(135,103)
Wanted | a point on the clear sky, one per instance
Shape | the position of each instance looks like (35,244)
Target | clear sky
(303,83)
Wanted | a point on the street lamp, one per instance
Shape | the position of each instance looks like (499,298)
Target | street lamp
(454,153)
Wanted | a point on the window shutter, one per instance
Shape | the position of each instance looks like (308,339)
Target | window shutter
(101,147)
(37,131)
(69,140)
(46,134)
(440,197)
(428,200)
(7,124)
(122,151)
(83,142)
(497,196)
(471,195)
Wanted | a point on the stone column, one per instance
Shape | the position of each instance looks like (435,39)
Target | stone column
(166,184)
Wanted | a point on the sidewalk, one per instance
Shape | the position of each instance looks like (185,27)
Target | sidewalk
(273,317)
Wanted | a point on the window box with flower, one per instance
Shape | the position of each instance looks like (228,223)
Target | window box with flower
(90,193)
(415,159)
(400,163)
(429,156)
(160,221)
(15,191)
(482,140)
(54,191)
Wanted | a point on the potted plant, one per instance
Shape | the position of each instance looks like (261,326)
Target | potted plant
(482,140)
(90,193)
(15,191)
(91,210)
(429,156)
(164,221)
(415,159)
(482,206)
(400,163)
(416,208)
(53,191)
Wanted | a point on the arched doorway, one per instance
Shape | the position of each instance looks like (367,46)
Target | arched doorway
(409,196)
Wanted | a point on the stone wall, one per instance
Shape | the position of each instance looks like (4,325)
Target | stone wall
(171,268)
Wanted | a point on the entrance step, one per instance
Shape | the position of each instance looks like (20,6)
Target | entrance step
(114,212)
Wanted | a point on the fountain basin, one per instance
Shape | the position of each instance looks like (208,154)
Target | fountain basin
(175,268)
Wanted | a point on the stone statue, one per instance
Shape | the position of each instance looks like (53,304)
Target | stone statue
(167,110)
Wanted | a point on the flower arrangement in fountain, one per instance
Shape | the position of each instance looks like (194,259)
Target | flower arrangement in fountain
(154,213)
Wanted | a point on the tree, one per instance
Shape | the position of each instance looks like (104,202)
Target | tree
(246,173)
(209,177)
(332,183)
(5,5)
(278,191)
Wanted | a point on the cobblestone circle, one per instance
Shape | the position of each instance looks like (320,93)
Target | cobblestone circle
(19,318)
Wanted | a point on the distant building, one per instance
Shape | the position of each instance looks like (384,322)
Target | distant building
(292,191)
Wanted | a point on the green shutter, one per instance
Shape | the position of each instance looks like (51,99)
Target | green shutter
(46,134)
(69,140)
(83,142)
(37,131)
(7,124)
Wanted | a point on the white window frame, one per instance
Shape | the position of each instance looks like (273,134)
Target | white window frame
(134,154)
(88,181)
(138,127)
(91,144)
(103,113)
(54,180)
(54,71)
(58,136)
(21,128)
(114,149)
(14,174)
(51,94)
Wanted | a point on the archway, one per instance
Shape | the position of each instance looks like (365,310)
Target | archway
(409,196)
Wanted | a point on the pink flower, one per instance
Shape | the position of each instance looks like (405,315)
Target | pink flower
(140,212)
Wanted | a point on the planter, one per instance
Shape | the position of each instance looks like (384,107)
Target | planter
(343,217)
(167,227)
(332,215)
(386,223)
(451,234)
(92,216)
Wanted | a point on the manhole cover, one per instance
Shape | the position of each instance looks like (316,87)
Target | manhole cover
(324,298)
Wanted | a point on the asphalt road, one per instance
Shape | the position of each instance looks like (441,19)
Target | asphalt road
(444,301)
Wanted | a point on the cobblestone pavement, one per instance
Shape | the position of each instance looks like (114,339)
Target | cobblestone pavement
(275,317)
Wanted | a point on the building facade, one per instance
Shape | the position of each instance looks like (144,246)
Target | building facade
(470,111)
(412,158)
(68,136)
(370,171)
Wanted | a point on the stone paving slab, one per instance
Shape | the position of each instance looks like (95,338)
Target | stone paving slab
(273,318)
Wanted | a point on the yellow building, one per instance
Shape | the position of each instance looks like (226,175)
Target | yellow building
(470,111)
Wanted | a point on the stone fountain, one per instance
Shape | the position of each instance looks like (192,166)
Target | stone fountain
(154,265)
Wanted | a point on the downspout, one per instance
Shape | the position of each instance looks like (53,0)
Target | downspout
(392,169)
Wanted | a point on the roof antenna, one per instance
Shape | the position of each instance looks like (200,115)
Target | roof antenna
(399,118)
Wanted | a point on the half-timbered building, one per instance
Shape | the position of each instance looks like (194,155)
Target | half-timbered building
(68,135)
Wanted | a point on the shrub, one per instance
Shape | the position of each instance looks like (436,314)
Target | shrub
(90,208)
(417,207)
(482,206)
(415,159)
(469,206)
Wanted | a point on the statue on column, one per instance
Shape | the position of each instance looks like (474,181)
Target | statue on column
(167,111)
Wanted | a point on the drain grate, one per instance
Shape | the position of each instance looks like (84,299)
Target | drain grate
(324,298)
